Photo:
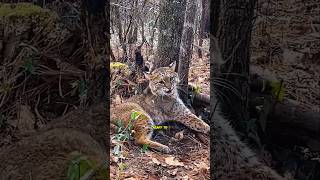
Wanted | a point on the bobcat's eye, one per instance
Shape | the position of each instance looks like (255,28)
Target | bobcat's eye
(172,79)
(161,82)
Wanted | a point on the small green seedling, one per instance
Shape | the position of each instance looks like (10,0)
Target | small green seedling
(28,65)
(144,148)
(79,166)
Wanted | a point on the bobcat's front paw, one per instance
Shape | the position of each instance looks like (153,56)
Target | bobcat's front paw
(204,138)
(165,149)
(207,129)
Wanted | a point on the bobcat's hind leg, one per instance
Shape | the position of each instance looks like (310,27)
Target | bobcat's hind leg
(194,123)
(142,134)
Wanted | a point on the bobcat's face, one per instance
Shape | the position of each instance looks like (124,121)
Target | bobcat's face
(163,82)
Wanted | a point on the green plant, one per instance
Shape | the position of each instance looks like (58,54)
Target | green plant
(278,90)
(79,87)
(5,87)
(144,148)
(196,89)
(28,65)
(123,134)
(103,173)
(81,167)
(122,166)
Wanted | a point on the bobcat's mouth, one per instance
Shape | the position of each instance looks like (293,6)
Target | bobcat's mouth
(168,91)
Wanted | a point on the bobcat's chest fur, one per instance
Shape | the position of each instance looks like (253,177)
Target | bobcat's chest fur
(160,109)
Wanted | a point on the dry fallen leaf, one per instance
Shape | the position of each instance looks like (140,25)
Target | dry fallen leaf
(173,172)
(114,159)
(131,178)
(118,99)
(183,178)
(171,161)
(155,161)
(202,165)
(113,141)
(179,135)
(164,178)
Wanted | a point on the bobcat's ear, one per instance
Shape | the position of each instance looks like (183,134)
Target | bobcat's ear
(173,66)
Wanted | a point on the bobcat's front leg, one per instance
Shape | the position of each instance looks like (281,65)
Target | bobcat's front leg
(193,122)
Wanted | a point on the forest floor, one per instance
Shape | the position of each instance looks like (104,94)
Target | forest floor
(286,43)
(189,159)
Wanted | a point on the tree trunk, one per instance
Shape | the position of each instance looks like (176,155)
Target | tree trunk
(151,41)
(203,23)
(96,36)
(215,16)
(171,19)
(120,30)
(186,47)
(95,23)
(236,18)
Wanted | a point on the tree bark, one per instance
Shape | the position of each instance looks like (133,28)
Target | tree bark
(233,19)
(121,36)
(215,11)
(203,24)
(186,47)
(96,35)
(236,18)
(171,19)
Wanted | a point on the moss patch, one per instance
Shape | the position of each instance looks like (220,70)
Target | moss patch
(118,65)
(20,10)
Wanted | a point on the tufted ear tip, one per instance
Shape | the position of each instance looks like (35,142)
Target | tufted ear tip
(173,65)
(178,80)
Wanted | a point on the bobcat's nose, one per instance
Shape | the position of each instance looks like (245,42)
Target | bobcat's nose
(168,91)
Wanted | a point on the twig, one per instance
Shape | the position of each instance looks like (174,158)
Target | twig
(114,4)
(37,112)
(201,48)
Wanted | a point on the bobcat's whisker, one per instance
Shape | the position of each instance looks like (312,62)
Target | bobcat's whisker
(221,95)
(232,89)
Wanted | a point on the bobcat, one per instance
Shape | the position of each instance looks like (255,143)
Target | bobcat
(158,104)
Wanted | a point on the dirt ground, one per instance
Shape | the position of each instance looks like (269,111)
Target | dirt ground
(189,159)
